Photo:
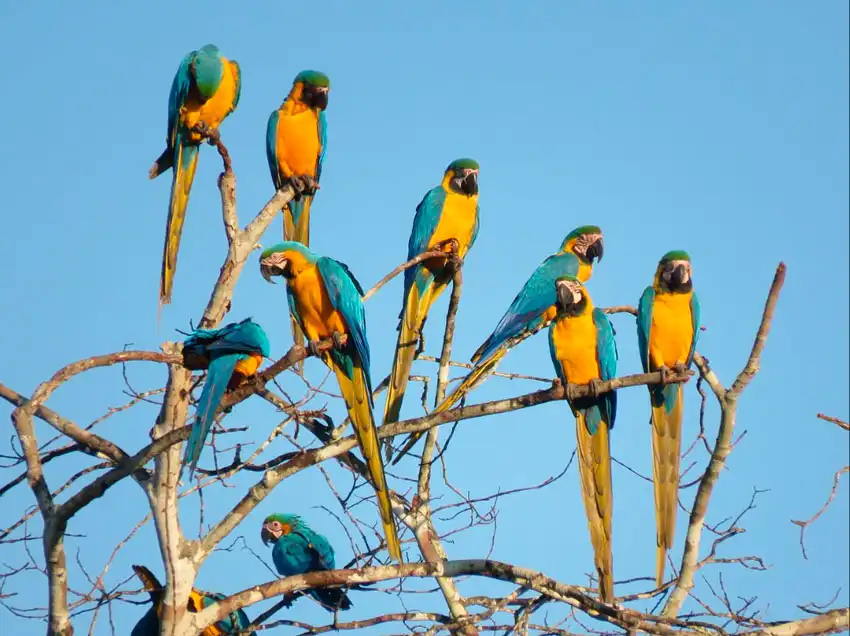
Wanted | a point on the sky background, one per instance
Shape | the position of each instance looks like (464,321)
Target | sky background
(719,128)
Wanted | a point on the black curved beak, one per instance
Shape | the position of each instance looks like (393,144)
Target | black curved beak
(679,275)
(469,185)
(317,97)
(266,536)
(565,297)
(595,251)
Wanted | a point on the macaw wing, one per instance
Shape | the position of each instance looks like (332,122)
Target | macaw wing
(242,337)
(237,79)
(180,87)
(323,143)
(695,321)
(321,551)
(644,324)
(475,228)
(345,295)
(535,297)
(425,222)
(606,353)
(271,147)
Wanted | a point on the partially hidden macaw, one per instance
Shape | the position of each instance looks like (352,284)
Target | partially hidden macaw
(668,329)
(446,219)
(296,141)
(231,354)
(532,310)
(205,90)
(299,549)
(325,299)
(148,625)
(583,350)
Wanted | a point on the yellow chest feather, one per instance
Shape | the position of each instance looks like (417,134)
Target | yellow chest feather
(318,317)
(457,221)
(671,332)
(575,348)
(298,145)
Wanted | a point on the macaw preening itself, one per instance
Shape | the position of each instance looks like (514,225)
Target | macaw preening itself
(324,297)
(205,90)
(446,219)
(298,549)
(296,141)
(668,330)
(148,625)
(583,349)
(230,354)
(532,310)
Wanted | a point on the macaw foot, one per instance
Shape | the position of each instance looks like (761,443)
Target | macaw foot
(303,185)
(206,132)
(665,374)
(449,246)
(680,368)
(596,388)
(313,348)
(289,598)
(337,340)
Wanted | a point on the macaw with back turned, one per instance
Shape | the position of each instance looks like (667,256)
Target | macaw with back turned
(583,350)
(298,549)
(668,329)
(231,354)
(446,219)
(532,310)
(205,90)
(148,625)
(296,141)
(324,297)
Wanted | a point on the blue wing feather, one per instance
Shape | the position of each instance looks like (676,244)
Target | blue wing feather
(695,321)
(238,72)
(425,222)
(606,351)
(271,147)
(180,87)
(345,295)
(218,376)
(559,369)
(535,297)
(475,228)
(644,324)
(323,142)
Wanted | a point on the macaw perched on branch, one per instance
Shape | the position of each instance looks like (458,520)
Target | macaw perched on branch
(324,297)
(583,350)
(231,354)
(446,219)
(205,91)
(298,549)
(148,625)
(532,310)
(296,141)
(668,329)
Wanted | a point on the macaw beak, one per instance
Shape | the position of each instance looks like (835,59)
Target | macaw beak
(680,275)
(595,251)
(469,184)
(267,536)
(272,270)
(318,97)
(566,296)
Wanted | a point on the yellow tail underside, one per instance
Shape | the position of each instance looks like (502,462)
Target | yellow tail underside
(181,185)
(356,396)
(595,473)
(666,453)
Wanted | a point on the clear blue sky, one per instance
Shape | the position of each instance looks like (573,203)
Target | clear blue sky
(719,128)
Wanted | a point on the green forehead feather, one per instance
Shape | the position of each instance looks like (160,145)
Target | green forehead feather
(568,279)
(282,518)
(463,164)
(315,78)
(675,255)
(282,247)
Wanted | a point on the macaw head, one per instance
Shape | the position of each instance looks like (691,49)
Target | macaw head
(585,242)
(314,88)
(572,296)
(674,272)
(462,176)
(277,525)
(285,259)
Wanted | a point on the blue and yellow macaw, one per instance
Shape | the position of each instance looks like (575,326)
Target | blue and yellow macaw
(583,349)
(668,330)
(532,310)
(148,625)
(446,219)
(205,90)
(296,141)
(298,549)
(231,354)
(324,297)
